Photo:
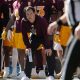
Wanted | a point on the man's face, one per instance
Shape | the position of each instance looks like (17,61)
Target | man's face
(30,15)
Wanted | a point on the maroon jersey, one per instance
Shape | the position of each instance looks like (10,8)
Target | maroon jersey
(40,30)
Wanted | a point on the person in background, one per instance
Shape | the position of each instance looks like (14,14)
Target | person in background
(18,44)
(18,47)
(4,17)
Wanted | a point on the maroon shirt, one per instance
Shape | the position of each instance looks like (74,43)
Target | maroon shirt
(40,26)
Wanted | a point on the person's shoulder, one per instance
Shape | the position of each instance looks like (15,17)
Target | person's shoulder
(41,18)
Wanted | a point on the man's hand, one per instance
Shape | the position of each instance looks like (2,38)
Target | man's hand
(48,52)
(52,28)
(59,49)
(27,51)
(77,32)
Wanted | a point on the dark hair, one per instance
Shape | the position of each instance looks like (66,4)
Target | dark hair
(29,8)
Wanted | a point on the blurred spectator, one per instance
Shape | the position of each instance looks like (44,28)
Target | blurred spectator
(4,17)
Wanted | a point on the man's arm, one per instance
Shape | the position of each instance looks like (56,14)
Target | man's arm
(56,24)
(10,23)
(25,34)
(7,32)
